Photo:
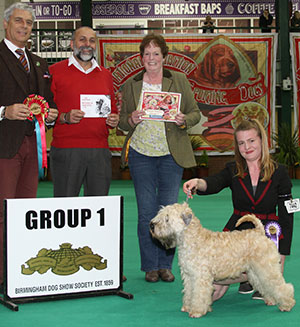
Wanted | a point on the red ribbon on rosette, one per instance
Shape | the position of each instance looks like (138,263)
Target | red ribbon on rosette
(39,109)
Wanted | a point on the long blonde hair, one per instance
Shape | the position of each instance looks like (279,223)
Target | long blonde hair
(267,164)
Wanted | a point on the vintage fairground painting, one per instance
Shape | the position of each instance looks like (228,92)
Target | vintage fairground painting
(232,77)
(295,51)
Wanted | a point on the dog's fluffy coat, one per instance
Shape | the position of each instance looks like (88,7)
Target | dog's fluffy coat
(205,256)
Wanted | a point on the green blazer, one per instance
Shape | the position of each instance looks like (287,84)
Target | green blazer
(177,137)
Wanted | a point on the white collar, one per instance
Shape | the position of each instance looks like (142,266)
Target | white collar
(73,61)
(12,47)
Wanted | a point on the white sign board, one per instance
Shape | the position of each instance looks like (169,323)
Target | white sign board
(62,245)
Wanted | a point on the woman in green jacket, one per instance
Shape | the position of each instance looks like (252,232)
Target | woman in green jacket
(157,150)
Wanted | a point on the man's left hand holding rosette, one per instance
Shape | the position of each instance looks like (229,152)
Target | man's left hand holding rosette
(52,116)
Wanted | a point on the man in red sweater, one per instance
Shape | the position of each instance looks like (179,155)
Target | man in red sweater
(79,152)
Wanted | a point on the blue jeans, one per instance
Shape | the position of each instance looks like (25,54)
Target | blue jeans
(156,182)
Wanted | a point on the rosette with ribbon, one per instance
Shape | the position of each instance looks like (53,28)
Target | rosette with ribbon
(273,231)
(39,109)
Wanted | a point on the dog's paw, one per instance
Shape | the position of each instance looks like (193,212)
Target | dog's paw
(195,315)
(199,314)
(269,302)
(184,309)
(287,306)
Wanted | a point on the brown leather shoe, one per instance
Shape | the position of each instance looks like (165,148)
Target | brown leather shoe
(152,276)
(166,275)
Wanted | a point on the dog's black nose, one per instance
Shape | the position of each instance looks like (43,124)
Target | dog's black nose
(152,227)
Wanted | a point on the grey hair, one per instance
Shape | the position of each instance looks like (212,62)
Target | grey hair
(18,5)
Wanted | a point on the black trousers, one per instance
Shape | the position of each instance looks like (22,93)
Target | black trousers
(73,167)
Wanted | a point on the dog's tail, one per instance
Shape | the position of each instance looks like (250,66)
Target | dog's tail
(251,218)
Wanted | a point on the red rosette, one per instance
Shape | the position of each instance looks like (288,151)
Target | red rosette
(37,105)
(39,109)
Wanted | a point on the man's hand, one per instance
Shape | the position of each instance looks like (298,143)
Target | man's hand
(112,120)
(52,115)
(17,111)
(74,116)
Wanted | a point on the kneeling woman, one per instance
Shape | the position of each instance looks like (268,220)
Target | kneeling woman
(259,186)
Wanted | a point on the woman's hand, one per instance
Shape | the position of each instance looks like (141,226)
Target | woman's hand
(180,119)
(135,118)
(190,187)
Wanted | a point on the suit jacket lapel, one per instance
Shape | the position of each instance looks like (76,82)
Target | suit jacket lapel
(13,65)
(262,189)
(34,69)
(247,187)
(166,84)
(137,89)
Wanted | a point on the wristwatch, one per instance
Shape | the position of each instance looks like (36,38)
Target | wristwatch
(65,121)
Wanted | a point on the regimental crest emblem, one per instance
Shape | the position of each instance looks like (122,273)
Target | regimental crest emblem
(64,261)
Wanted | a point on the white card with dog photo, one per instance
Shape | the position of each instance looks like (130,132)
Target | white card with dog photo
(95,105)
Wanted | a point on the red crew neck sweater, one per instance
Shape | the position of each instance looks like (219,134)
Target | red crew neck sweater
(67,84)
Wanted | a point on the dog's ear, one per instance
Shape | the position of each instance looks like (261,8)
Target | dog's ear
(187,218)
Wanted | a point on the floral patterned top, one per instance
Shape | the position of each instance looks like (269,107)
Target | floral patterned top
(149,137)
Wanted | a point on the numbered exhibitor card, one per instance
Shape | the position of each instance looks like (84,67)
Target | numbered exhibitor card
(62,245)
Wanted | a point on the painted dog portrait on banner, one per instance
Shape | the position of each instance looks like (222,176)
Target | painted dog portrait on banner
(232,77)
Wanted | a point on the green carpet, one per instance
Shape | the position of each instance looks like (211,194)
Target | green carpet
(159,304)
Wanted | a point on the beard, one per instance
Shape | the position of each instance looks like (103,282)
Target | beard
(82,55)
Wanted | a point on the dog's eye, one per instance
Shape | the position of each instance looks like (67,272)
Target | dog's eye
(167,219)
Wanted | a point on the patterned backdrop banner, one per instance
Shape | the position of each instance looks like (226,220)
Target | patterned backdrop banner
(295,51)
(232,77)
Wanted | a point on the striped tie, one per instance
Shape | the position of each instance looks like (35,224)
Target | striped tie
(23,59)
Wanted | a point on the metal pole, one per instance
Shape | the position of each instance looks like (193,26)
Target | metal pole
(282,22)
(86,13)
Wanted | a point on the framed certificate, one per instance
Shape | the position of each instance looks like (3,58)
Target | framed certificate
(161,106)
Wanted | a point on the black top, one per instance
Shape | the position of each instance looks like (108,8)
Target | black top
(295,24)
(264,23)
(267,203)
(208,27)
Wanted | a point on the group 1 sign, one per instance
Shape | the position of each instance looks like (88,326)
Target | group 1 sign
(63,247)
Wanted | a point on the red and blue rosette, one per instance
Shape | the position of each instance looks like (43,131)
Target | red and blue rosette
(273,231)
(39,109)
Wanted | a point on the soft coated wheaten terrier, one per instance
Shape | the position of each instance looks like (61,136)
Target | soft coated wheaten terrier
(205,256)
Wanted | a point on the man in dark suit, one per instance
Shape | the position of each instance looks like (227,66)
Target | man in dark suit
(18,80)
